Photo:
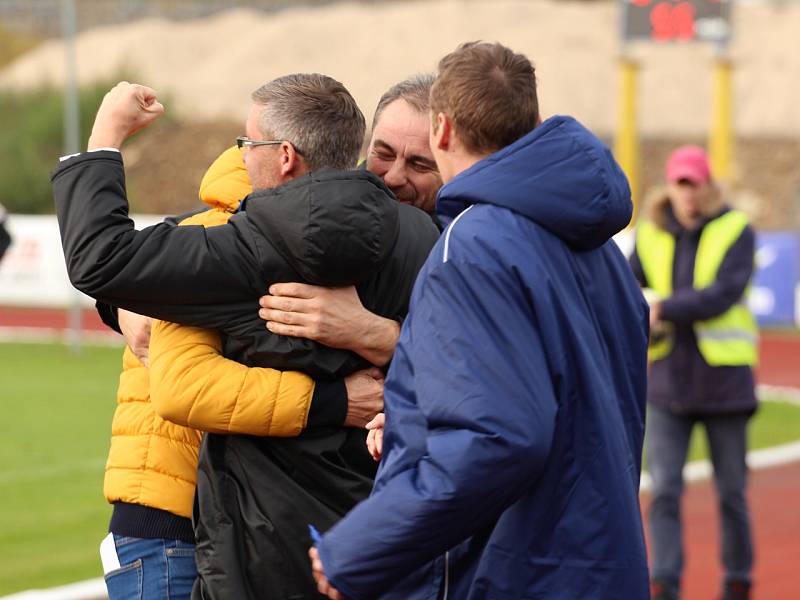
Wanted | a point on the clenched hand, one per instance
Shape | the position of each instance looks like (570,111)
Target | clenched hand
(126,108)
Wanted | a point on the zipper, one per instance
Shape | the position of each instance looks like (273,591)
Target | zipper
(446,574)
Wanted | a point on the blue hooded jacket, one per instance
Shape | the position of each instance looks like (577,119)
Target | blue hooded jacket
(515,402)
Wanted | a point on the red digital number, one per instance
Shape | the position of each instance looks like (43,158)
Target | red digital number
(672,21)
(683,18)
(661,22)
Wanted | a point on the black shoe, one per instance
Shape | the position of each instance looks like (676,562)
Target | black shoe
(736,590)
(662,590)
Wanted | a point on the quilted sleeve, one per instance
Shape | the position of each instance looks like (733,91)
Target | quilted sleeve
(192,384)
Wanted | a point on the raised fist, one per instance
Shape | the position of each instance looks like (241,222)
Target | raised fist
(126,108)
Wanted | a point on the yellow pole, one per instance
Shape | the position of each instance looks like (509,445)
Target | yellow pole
(626,144)
(720,143)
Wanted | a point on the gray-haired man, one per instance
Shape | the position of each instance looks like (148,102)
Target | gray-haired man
(399,153)
(304,221)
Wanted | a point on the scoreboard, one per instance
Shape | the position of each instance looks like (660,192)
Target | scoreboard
(676,20)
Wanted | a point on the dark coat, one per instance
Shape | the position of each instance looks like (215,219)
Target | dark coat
(5,237)
(255,496)
(326,228)
(683,382)
(515,403)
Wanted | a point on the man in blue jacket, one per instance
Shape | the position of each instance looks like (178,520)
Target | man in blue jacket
(515,401)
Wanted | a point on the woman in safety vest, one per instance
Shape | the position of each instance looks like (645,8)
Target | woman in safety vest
(694,254)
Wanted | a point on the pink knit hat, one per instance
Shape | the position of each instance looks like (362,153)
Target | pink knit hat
(690,163)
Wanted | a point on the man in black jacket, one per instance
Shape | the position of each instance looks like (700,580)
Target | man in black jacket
(305,222)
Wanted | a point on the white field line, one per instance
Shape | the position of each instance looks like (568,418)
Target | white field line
(91,589)
(701,470)
(764,458)
(777,393)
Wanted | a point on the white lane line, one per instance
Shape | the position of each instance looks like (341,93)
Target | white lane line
(778,393)
(91,589)
(764,458)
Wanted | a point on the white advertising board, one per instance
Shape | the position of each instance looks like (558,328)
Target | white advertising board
(32,272)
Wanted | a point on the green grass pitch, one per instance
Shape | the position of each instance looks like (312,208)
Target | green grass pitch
(57,409)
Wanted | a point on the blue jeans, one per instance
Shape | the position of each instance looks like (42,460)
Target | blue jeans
(667,443)
(152,568)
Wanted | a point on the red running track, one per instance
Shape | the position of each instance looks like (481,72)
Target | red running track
(48,318)
(779,359)
(774,496)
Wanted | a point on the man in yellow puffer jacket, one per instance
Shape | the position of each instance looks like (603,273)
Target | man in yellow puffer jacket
(152,463)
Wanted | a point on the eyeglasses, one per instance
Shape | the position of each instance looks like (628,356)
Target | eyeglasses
(246,142)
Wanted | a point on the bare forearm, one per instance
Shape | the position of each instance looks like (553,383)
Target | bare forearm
(105,136)
(378,340)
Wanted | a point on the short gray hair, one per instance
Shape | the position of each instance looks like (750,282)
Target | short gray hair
(317,115)
(415,90)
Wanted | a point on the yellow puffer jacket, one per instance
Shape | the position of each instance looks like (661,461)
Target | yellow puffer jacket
(153,462)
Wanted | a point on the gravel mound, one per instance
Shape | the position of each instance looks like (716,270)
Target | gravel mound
(210,66)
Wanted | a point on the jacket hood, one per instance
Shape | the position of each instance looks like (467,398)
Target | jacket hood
(333,227)
(226,181)
(559,175)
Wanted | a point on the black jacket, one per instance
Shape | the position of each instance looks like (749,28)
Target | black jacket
(255,496)
(683,382)
(327,228)
(5,237)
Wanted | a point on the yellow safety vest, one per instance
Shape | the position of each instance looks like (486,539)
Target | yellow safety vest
(730,339)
